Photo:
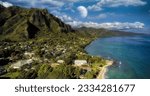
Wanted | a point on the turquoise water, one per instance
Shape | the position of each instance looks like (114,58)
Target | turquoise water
(132,55)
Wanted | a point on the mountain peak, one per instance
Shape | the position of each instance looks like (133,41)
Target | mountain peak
(25,23)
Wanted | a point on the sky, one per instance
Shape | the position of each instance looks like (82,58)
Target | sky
(110,14)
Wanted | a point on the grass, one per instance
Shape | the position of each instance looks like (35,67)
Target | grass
(12,75)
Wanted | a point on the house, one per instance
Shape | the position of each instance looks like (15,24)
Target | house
(21,63)
(60,61)
(80,62)
(29,54)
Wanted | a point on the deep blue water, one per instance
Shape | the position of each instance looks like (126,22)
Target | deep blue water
(131,53)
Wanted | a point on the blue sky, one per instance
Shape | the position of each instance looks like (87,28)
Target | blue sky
(121,14)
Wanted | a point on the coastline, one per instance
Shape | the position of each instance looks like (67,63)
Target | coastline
(103,70)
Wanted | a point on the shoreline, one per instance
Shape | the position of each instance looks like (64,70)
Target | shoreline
(103,70)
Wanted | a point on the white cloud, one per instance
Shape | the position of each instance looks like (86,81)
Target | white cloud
(6,4)
(65,18)
(95,7)
(69,7)
(53,2)
(83,11)
(49,3)
(101,16)
(109,25)
(114,25)
(39,3)
(116,3)
(72,0)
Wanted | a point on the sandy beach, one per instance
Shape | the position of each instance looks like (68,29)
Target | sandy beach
(103,70)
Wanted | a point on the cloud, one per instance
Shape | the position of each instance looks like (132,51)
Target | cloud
(6,4)
(114,25)
(109,25)
(116,3)
(69,7)
(83,11)
(100,16)
(96,7)
(103,15)
(53,2)
(43,3)
(73,0)
(65,18)
(38,3)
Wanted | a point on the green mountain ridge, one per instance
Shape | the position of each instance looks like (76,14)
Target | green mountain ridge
(18,23)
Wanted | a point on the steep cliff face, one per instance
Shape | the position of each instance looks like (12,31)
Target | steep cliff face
(22,23)
(2,7)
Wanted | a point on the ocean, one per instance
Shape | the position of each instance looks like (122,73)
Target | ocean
(131,53)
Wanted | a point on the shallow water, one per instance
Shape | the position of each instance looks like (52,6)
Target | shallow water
(132,54)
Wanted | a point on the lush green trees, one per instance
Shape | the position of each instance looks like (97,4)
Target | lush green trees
(62,72)
(44,70)
(89,75)
(30,74)
(77,72)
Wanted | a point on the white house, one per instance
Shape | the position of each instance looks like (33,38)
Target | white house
(60,61)
(20,63)
(80,62)
(29,54)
